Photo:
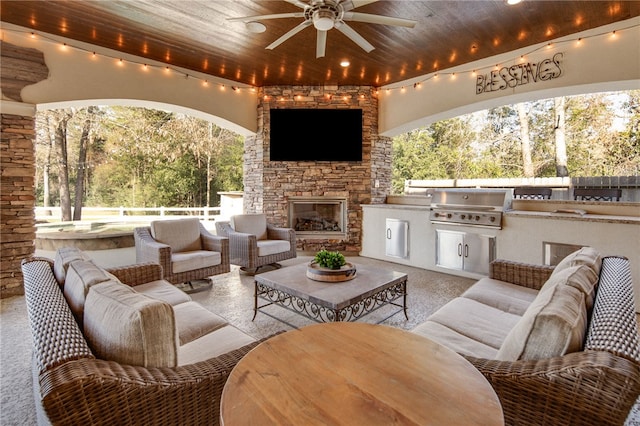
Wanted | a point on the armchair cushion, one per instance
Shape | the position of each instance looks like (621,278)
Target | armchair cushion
(254,224)
(181,235)
(269,247)
(130,328)
(188,261)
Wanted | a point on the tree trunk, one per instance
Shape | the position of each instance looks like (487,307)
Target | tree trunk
(559,133)
(525,143)
(63,166)
(51,144)
(82,162)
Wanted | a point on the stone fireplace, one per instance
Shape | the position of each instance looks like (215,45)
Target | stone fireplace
(318,216)
(318,188)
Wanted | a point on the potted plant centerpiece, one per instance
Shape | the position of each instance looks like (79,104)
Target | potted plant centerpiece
(330,266)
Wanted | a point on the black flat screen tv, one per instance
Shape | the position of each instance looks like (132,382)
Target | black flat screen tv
(316,135)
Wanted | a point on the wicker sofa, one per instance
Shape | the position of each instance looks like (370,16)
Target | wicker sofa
(559,345)
(124,346)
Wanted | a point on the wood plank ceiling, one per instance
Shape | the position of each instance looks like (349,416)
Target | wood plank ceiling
(197,35)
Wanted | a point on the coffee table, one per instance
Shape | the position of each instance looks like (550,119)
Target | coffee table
(354,373)
(371,289)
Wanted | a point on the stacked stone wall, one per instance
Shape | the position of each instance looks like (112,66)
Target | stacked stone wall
(268,185)
(17,200)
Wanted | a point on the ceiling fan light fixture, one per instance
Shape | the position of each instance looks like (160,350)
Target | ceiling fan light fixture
(323,20)
(256,27)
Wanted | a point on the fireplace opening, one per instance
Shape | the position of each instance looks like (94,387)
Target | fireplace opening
(317,216)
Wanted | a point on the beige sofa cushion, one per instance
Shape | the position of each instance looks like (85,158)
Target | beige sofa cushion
(476,321)
(254,224)
(191,260)
(582,277)
(81,276)
(163,290)
(193,321)
(585,256)
(181,235)
(269,247)
(216,343)
(501,295)
(64,256)
(455,341)
(553,325)
(128,327)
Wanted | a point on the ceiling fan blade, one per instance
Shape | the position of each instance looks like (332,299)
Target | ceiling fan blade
(321,43)
(265,17)
(352,4)
(298,3)
(355,37)
(378,19)
(295,30)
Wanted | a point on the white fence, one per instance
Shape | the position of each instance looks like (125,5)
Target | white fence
(133,214)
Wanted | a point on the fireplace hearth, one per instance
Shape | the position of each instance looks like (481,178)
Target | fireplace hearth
(317,215)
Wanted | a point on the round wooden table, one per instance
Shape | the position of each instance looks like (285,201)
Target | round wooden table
(356,374)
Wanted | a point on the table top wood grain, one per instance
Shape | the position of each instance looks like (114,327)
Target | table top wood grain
(353,374)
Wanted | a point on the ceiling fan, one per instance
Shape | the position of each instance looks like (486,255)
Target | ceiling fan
(325,15)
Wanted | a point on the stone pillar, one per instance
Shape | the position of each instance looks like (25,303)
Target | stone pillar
(17,200)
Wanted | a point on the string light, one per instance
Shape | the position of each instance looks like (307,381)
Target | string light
(578,41)
(120,61)
(474,72)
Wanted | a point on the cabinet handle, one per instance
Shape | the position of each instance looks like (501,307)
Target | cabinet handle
(388,233)
(466,250)
(460,249)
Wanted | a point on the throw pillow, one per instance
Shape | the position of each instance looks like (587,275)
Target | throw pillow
(128,327)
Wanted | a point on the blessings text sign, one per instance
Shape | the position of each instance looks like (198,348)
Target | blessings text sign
(520,74)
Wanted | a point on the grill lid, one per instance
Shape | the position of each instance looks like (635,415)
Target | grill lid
(471,199)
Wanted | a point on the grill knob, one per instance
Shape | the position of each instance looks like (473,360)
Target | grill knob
(448,215)
(462,216)
(492,219)
(477,218)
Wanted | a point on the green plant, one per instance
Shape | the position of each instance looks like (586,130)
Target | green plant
(330,259)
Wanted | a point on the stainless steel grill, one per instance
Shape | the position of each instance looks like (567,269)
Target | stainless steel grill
(471,207)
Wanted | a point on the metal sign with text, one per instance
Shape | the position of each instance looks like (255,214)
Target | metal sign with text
(519,75)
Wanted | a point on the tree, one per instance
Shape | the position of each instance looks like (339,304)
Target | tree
(81,166)
(63,117)
(525,142)
(559,132)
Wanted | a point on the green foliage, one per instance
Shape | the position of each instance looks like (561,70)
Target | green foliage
(157,158)
(330,259)
(487,144)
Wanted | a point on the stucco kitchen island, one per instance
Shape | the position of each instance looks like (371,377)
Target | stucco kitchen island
(531,231)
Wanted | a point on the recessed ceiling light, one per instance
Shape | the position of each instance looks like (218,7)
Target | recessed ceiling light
(512,2)
(345,63)
(256,27)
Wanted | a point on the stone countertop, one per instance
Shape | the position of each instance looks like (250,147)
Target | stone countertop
(578,216)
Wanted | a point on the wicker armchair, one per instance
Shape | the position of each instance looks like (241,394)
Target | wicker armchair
(254,243)
(184,248)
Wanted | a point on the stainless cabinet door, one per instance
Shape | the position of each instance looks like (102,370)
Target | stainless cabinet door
(449,249)
(397,238)
(478,251)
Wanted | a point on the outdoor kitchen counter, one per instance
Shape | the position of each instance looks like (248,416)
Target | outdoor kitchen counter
(586,211)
